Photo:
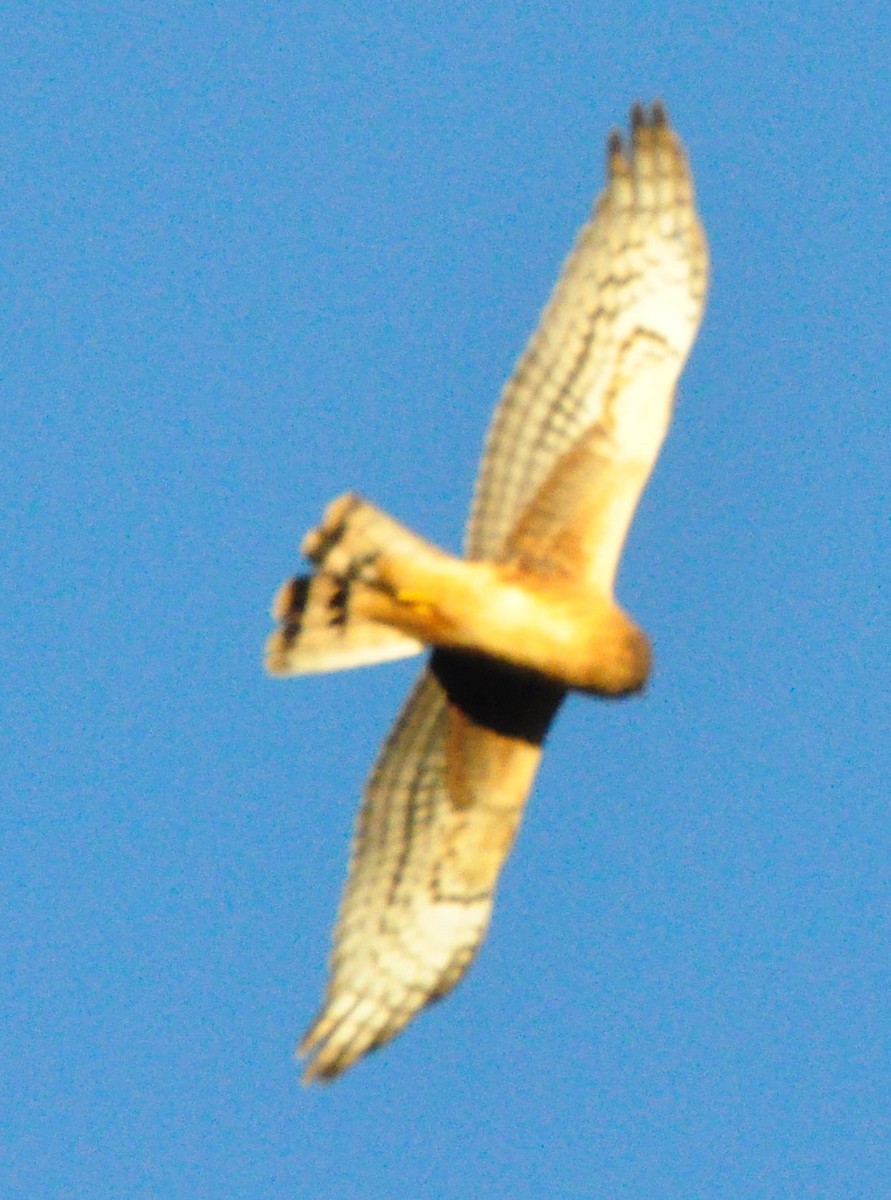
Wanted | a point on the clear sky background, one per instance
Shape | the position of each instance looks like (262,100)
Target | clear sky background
(253,254)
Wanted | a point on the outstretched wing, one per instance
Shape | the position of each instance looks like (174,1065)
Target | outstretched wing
(604,361)
(572,443)
(440,813)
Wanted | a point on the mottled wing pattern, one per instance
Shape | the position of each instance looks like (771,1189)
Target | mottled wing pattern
(440,814)
(395,943)
(632,289)
(443,803)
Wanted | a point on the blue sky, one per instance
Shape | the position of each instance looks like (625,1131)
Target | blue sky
(255,254)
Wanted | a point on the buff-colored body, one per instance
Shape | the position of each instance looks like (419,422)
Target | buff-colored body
(529,614)
(562,629)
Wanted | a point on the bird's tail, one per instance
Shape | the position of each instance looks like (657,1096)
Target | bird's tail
(321,625)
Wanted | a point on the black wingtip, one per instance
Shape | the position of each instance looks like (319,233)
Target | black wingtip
(656,118)
(659,115)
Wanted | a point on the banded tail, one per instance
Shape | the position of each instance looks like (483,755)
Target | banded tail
(321,624)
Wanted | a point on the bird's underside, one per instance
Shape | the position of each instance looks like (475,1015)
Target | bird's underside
(526,616)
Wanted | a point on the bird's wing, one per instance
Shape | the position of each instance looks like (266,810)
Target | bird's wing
(439,816)
(601,368)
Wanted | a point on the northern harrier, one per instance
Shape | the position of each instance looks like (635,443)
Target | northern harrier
(526,616)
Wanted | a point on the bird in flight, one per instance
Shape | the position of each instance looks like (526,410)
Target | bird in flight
(527,615)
